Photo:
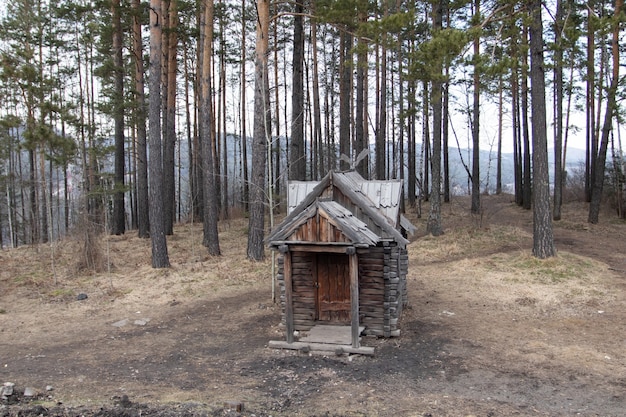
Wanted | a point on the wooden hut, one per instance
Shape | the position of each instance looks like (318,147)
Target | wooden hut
(343,259)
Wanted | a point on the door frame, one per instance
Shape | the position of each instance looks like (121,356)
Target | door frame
(345,282)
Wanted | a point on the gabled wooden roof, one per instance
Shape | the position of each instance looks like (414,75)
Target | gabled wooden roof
(383,195)
(377,201)
(341,218)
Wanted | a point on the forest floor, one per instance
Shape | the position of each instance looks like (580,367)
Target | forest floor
(489,330)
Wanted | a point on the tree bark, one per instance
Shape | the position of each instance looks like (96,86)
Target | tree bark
(434,226)
(426,146)
(345,90)
(500,130)
(558,112)
(118,217)
(607,125)
(527,182)
(210,215)
(143,222)
(590,111)
(160,257)
(381,128)
(360,140)
(476,120)
(543,238)
(317,114)
(262,129)
(244,131)
(297,158)
(169,139)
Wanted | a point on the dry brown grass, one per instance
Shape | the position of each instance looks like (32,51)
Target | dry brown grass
(52,271)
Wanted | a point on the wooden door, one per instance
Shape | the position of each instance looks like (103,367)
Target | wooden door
(333,288)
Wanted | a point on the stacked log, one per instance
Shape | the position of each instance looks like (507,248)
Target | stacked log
(382,288)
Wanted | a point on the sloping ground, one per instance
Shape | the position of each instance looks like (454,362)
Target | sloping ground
(489,330)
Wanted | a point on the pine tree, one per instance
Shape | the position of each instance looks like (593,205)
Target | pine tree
(262,118)
(543,238)
(160,257)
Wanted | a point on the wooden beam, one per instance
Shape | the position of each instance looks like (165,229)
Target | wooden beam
(354,295)
(320,249)
(323,347)
(288,297)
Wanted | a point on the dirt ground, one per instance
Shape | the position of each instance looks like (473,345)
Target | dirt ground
(489,330)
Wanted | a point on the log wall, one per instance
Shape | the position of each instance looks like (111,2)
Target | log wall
(303,269)
(382,288)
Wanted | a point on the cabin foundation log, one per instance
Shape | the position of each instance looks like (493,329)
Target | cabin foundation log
(322,347)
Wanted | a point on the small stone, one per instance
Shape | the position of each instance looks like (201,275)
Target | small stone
(7,389)
(142,322)
(125,401)
(49,388)
(81,296)
(29,392)
(120,323)
(234,406)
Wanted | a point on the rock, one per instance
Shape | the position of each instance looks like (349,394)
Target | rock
(120,323)
(29,392)
(234,406)
(124,401)
(142,322)
(81,296)
(49,388)
(7,390)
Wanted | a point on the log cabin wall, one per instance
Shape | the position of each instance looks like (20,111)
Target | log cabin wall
(382,288)
(303,288)
(372,289)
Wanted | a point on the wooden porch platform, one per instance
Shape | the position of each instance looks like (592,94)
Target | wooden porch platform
(325,338)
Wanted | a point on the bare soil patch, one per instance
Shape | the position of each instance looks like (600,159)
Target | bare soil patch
(490,331)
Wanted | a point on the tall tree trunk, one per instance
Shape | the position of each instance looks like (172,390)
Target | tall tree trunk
(317,113)
(195,148)
(434,226)
(360,141)
(558,112)
(411,129)
(445,117)
(345,90)
(262,114)
(297,159)
(34,206)
(426,151)
(244,132)
(500,131)
(118,217)
(607,125)
(209,182)
(275,145)
(194,214)
(527,183)
(160,257)
(445,133)
(515,116)
(543,238)
(381,129)
(476,119)
(590,129)
(169,130)
(223,133)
